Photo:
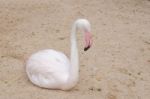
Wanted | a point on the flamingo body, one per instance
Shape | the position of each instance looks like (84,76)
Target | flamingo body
(48,69)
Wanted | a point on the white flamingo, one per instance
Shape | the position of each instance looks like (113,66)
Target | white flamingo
(52,69)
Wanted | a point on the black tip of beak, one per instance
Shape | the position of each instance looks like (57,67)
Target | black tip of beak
(86,48)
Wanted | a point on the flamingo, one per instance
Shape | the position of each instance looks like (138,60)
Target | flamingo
(52,69)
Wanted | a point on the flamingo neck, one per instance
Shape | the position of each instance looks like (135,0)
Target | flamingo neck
(74,64)
(74,56)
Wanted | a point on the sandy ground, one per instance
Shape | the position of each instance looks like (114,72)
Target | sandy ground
(116,67)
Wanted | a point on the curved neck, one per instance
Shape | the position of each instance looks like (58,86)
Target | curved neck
(74,55)
(74,64)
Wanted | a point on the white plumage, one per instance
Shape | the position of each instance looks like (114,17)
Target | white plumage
(47,67)
(52,69)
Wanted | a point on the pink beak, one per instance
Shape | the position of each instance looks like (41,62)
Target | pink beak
(88,41)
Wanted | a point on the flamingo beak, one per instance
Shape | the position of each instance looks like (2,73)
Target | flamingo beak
(88,41)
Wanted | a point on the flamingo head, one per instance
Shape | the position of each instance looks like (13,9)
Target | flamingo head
(85,26)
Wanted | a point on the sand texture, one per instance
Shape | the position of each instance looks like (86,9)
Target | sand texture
(116,67)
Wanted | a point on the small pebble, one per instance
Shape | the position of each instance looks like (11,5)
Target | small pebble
(139,73)
(99,89)
(61,38)
(2,56)
(129,74)
(57,30)
(5,82)
(91,88)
